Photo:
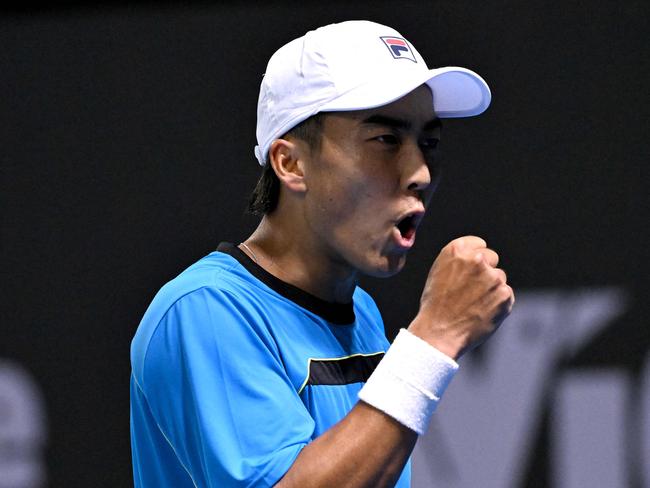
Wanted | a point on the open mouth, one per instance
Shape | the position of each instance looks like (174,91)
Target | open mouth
(407,227)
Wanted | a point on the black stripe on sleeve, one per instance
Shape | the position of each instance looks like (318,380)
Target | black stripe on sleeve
(342,371)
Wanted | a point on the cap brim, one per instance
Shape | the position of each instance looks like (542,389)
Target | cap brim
(457,92)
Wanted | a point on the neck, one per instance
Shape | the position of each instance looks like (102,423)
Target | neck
(293,258)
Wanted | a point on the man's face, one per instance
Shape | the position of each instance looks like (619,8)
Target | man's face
(371,181)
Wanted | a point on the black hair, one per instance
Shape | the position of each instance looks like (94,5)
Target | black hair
(265,195)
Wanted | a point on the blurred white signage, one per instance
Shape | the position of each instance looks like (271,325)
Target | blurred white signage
(22,429)
(486,426)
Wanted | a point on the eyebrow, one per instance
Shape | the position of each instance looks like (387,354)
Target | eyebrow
(398,123)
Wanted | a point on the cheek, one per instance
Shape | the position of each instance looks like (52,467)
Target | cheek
(352,193)
(359,199)
(342,201)
(340,194)
(359,219)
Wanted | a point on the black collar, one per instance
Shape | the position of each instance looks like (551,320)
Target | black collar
(337,313)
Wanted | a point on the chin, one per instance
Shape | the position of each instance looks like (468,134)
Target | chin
(388,265)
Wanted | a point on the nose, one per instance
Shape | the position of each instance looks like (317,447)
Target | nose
(416,174)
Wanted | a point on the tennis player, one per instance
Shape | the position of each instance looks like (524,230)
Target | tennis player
(264,363)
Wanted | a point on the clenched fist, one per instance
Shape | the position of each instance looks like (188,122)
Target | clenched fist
(465,298)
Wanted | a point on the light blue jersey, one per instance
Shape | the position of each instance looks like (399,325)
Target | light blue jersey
(235,371)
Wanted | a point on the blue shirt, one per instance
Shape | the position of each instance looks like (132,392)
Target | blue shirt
(235,371)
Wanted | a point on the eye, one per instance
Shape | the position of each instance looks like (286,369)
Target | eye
(387,139)
(429,143)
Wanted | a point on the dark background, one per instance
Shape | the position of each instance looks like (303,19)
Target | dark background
(126,151)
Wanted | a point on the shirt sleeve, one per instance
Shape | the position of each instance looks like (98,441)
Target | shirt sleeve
(214,381)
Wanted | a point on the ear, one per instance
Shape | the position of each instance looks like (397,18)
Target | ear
(287,158)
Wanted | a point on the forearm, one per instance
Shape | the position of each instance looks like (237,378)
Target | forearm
(365,449)
(465,299)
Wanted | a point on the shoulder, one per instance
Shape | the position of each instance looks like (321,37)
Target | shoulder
(216,271)
(210,291)
(362,298)
(365,306)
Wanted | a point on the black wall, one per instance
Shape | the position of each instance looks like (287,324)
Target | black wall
(126,151)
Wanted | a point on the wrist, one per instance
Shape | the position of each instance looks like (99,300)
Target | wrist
(437,337)
(409,381)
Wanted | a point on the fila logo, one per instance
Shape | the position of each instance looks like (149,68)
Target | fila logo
(398,48)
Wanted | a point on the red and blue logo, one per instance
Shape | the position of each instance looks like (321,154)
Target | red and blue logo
(398,47)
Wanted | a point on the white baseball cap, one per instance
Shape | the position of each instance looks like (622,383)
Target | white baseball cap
(355,65)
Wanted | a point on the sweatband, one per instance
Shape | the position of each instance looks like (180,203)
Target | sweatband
(409,381)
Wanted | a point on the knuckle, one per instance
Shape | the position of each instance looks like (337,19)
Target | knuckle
(502,275)
(452,248)
(478,241)
(498,277)
(469,241)
(512,294)
(505,292)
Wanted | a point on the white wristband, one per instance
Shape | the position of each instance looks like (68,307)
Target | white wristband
(409,381)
